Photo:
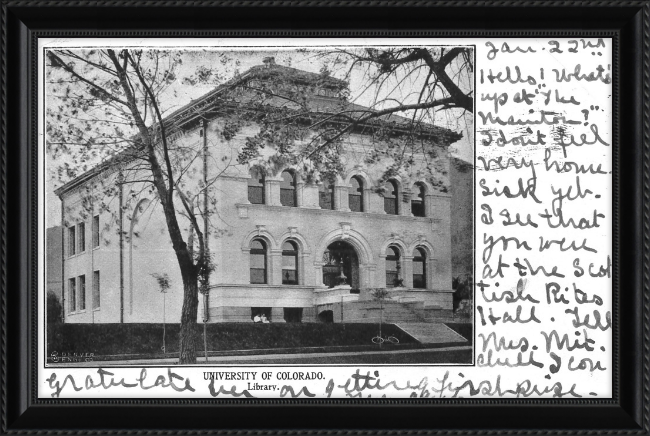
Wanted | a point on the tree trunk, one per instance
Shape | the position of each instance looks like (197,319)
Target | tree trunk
(187,337)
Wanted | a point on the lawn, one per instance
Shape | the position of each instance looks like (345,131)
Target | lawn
(466,330)
(147,339)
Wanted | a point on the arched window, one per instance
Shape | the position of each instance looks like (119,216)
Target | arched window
(392,267)
(288,189)
(391,198)
(326,195)
(417,202)
(258,261)
(419,268)
(355,194)
(256,186)
(289,263)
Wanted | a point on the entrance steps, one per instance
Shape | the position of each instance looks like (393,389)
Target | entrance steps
(431,333)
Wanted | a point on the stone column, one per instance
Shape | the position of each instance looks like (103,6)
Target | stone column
(318,275)
(380,274)
(375,203)
(277,314)
(274,274)
(367,192)
(429,205)
(407,271)
(272,192)
(368,276)
(405,203)
(300,191)
(341,194)
(308,193)
(309,314)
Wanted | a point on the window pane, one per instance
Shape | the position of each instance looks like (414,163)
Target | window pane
(326,196)
(390,206)
(392,267)
(417,208)
(287,197)
(356,195)
(82,292)
(288,189)
(392,253)
(258,276)
(390,198)
(289,261)
(96,299)
(72,241)
(417,204)
(287,180)
(96,231)
(258,261)
(72,294)
(391,190)
(82,237)
(257,178)
(355,203)
(289,246)
(257,245)
(256,186)
(419,281)
(289,277)
(418,267)
(391,279)
(256,194)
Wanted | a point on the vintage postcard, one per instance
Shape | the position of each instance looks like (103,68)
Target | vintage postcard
(334,218)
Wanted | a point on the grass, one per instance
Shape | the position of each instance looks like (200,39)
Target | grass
(146,339)
(466,330)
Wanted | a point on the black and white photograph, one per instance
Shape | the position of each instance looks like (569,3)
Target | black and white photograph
(259,205)
(326,218)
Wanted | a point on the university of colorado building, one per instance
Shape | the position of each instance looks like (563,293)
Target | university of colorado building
(292,248)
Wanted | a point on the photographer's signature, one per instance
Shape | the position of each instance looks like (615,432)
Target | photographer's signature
(57,357)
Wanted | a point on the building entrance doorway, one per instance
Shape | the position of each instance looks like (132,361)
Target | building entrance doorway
(340,265)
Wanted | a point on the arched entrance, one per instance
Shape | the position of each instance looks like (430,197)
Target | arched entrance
(340,265)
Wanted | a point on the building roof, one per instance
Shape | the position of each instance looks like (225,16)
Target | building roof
(317,104)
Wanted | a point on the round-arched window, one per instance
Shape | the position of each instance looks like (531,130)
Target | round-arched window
(392,267)
(258,261)
(288,189)
(355,194)
(256,186)
(419,268)
(417,201)
(289,263)
(391,198)
(326,195)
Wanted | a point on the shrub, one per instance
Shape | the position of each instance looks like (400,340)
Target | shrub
(121,339)
(54,308)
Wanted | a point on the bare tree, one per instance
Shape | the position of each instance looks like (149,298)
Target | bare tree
(108,112)
(403,91)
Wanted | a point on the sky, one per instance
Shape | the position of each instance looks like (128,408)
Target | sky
(227,63)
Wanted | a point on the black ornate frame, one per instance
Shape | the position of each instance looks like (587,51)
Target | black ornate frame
(627,21)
